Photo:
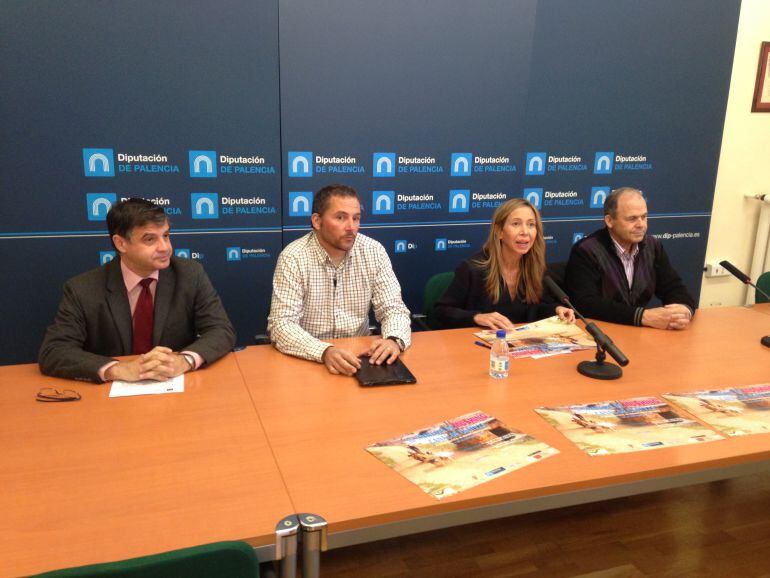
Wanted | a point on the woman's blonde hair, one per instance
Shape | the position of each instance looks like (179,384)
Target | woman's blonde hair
(532,263)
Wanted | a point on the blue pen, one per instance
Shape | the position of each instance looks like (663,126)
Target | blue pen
(482,344)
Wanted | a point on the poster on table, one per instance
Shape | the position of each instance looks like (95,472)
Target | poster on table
(543,338)
(451,456)
(627,425)
(734,411)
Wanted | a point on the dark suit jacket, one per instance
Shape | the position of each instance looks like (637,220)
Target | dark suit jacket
(93,323)
(467,296)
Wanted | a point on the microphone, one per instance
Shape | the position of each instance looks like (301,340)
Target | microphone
(599,336)
(557,292)
(746,280)
(597,369)
(607,344)
(741,276)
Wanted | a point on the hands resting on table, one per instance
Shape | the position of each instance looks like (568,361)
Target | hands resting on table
(340,361)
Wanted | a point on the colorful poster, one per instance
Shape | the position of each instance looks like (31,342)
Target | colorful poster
(451,456)
(735,411)
(543,338)
(629,425)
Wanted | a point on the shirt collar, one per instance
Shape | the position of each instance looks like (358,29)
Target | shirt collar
(323,256)
(131,279)
(631,253)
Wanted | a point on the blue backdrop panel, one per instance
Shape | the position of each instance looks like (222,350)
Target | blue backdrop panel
(645,85)
(639,79)
(553,100)
(382,95)
(435,111)
(141,78)
(33,272)
(176,102)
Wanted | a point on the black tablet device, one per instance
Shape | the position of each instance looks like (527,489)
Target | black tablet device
(394,374)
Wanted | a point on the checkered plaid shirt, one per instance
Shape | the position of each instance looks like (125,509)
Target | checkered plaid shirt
(313,300)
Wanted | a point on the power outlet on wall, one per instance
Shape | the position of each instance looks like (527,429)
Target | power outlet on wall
(715,270)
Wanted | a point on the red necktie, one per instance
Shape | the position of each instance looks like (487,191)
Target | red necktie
(143,317)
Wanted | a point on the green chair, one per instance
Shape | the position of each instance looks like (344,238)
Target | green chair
(230,559)
(763,283)
(434,289)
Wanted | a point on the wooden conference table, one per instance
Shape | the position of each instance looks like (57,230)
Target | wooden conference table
(319,443)
(260,435)
(107,479)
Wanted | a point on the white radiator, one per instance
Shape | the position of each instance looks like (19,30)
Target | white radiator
(760,262)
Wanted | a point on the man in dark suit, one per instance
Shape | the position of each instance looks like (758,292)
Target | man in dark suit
(143,302)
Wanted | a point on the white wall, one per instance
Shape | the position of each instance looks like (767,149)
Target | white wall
(744,163)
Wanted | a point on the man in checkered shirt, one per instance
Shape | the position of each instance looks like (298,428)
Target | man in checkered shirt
(325,283)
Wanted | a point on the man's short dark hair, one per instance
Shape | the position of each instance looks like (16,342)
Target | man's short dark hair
(321,198)
(126,215)
(611,202)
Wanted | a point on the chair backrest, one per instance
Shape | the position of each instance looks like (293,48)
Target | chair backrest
(763,283)
(434,289)
(231,559)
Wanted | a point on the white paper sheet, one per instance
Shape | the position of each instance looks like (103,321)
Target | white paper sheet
(125,388)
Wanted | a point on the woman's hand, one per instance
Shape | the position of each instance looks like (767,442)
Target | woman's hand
(492,320)
(565,314)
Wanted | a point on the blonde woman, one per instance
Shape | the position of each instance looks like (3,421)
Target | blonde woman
(503,284)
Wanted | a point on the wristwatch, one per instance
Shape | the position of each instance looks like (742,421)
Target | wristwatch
(189,359)
(398,340)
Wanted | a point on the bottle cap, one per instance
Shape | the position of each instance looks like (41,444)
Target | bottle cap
(500,334)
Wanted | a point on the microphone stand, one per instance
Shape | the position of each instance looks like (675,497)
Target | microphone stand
(598,369)
(766,339)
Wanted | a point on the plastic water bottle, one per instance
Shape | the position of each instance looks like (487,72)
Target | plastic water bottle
(498,356)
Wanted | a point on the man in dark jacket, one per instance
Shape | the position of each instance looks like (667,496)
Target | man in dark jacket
(613,273)
(145,302)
